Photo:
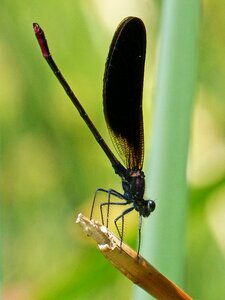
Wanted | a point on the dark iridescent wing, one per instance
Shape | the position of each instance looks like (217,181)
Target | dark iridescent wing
(122,91)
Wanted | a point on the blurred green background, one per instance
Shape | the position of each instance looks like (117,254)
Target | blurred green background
(51,165)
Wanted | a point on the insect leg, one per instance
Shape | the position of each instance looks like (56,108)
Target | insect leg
(114,193)
(122,217)
(139,233)
(93,203)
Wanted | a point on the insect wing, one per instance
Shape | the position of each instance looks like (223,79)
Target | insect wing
(122,91)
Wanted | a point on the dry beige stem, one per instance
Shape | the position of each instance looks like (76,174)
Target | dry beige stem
(134,267)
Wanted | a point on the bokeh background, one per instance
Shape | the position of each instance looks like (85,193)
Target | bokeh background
(51,165)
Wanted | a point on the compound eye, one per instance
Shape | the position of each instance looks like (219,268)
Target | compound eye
(151,206)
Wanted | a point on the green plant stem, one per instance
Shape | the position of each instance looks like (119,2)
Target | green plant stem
(164,233)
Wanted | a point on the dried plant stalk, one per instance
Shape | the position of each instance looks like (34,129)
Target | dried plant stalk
(134,267)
